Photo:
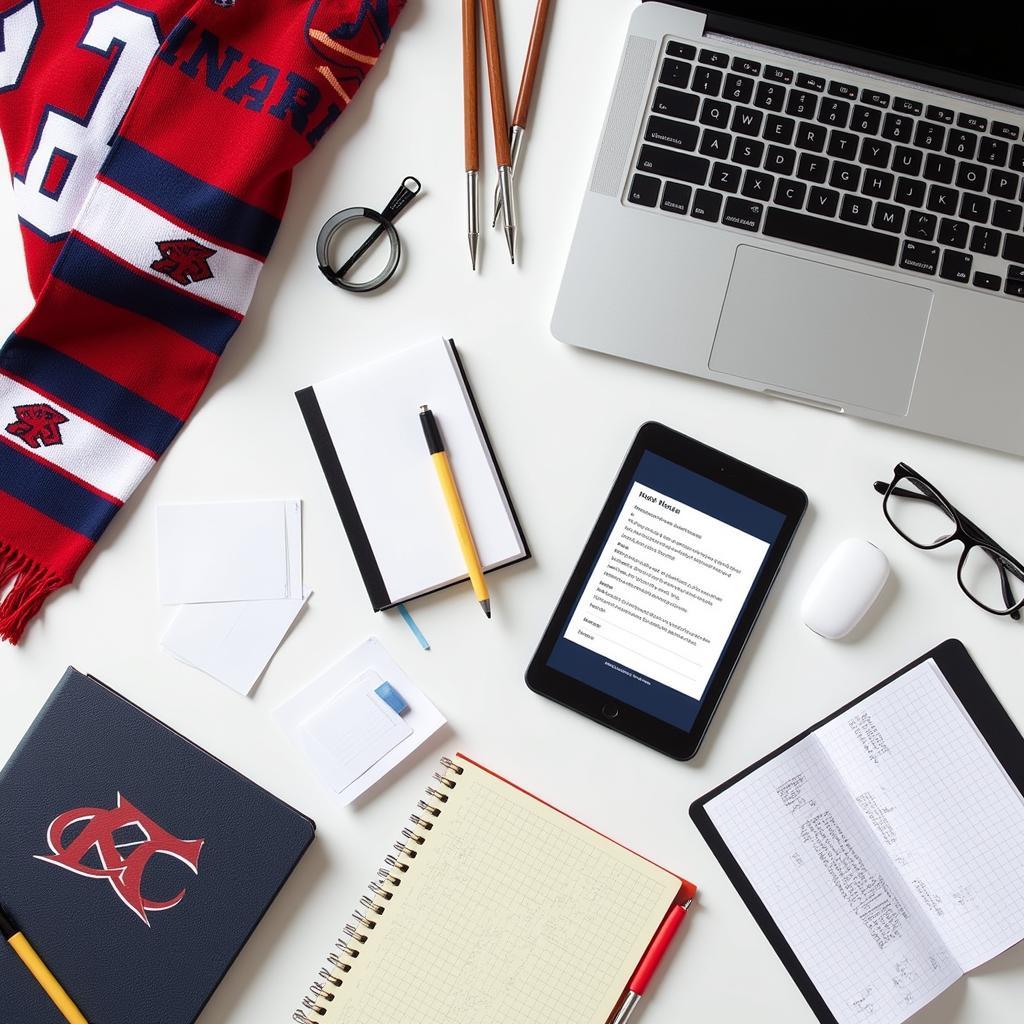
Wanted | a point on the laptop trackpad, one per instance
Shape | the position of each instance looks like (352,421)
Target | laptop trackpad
(843,336)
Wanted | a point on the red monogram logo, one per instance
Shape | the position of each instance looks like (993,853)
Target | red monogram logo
(37,425)
(124,873)
(184,261)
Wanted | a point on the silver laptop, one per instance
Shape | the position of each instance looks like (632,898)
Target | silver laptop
(821,202)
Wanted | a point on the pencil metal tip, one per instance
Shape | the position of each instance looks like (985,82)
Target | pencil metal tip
(474,241)
(473,213)
(510,237)
(486,605)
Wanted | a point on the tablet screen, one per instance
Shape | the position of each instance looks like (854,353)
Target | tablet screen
(661,600)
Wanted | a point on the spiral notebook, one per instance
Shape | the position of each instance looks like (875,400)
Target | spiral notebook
(494,907)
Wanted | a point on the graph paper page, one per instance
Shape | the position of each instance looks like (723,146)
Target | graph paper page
(511,913)
(829,886)
(941,805)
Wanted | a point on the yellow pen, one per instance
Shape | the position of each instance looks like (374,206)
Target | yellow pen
(47,982)
(435,445)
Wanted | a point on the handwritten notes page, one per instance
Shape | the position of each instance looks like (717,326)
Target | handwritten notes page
(888,846)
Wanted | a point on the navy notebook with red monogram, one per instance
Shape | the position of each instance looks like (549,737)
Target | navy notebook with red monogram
(135,863)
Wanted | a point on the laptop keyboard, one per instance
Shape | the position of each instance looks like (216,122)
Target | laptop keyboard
(850,170)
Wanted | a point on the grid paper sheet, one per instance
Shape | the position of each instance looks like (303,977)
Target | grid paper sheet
(888,846)
(511,913)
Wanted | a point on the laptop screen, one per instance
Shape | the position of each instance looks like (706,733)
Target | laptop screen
(970,45)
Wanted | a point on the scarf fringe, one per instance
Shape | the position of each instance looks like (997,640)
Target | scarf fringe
(33,584)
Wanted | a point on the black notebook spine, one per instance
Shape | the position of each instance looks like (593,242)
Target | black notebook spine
(376,901)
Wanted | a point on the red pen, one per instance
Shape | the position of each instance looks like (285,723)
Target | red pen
(654,955)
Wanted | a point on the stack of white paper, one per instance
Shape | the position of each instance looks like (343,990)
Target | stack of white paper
(236,570)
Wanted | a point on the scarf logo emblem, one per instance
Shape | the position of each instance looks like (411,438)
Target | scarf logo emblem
(184,261)
(37,425)
(116,845)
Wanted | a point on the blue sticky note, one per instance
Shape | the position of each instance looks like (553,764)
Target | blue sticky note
(392,698)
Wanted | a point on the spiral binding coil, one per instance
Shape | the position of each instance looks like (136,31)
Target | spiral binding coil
(374,903)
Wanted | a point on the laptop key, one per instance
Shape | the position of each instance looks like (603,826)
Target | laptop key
(748,67)
(830,235)
(1017,158)
(975,208)
(1013,248)
(748,152)
(715,58)
(823,201)
(985,241)
(916,256)
(843,144)
(994,152)
(682,50)
(667,132)
(670,164)
(673,103)
(1004,130)
(706,205)
(644,190)
(812,168)
(1004,184)
(677,197)
(810,82)
(848,92)
(989,281)
(939,168)
(956,266)
(834,113)
(888,218)
(866,120)
(790,193)
(779,129)
(875,153)
(905,106)
(738,88)
(757,185)
(675,73)
(770,96)
(929,136)
(953,232)
(725,177)
(776,74)
(1007,215)
(801,104)
(922,225)
(875,98)
(715,113)
(897,128)
(907,161)
(878,184)
(943,114)
(1014,288)
(714,143)
(962,144)
(971,176)
(972,122)
(910,192)
(942,199)
(747,121)
(780,160)
(707,81)
(845,176)
(811,137)
(855,209)
(739,213)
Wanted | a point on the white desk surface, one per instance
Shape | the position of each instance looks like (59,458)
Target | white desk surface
(560,420)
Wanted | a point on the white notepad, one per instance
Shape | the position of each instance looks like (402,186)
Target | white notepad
(365,426)
(887,846)
(496,909)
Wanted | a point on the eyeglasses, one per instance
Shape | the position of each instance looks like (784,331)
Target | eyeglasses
(988,574)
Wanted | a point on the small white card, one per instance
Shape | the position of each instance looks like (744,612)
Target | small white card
(328,697)
(226,551)
(355,730)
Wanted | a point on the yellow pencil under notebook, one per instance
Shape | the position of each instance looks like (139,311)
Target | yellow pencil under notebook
(47,982)
(439,456)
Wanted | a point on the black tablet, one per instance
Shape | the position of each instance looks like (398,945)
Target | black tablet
(667,590)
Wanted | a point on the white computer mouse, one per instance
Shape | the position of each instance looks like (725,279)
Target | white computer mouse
(845,587)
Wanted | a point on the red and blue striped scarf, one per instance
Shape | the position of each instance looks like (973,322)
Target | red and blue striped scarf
(151,145)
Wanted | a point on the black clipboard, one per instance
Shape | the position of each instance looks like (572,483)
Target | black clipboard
(983,707)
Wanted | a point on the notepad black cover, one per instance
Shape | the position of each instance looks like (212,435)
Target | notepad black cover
(87,746)
(992,721)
